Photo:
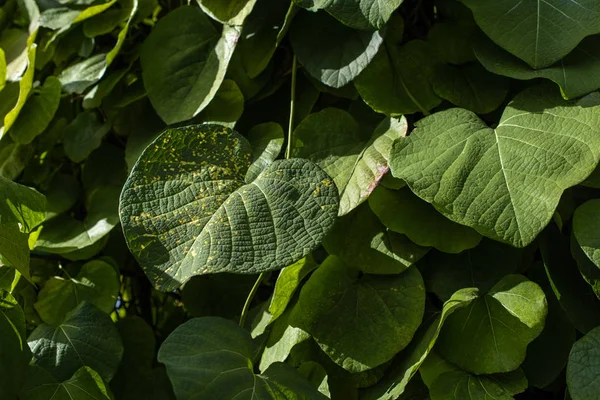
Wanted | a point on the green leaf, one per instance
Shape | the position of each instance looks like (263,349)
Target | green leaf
(84,135)
(97,283)
(230,12)
(85,384)
(358,14)
(481,267)
(491,334)
(331,52)
(14,247)
(402,212)
(13,157)
(262,32)
(21,204)
(63,193)
(504,182)
(582,369)
(282,339)
(287,283)
(407,363)
(470,86)
(87,338)
(462,385)
(386,310)
(266,140)
(210,219)
(37,112)
(588,269)
(184,60)
(210,358)
(397,81)
(226,107)
(63,17)
(333,139)
(360,240)
(576,74)
(25,85)
(15,354)
(540,33)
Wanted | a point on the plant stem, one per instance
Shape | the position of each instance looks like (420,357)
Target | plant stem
(250,298)
(288,149)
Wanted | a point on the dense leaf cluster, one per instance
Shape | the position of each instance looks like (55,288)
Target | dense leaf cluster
(301,199)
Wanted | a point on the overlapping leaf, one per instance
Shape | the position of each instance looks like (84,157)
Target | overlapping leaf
(504,182)
(187,210)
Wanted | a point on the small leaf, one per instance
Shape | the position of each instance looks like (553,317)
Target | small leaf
(287,283)
(331,52)
(386,310)
(504,182)
(21,204)
(402,212)
(397,81)
(226,107)
(25,86)
(491,334)
(210,358)
(37,112)
(184,60)
(84,135)
(14,247)
(87,338)
(215,221)
(97,283)
(582,369)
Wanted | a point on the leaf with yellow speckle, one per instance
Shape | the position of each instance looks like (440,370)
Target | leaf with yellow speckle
(186,209)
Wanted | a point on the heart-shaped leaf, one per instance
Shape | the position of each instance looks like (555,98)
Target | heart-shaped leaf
(186,209)
(211,358)
(504,182)
(586,229)
(386,311)
(491,334)
(97,283)
(87,338)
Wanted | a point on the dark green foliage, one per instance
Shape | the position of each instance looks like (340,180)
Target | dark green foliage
(299,199)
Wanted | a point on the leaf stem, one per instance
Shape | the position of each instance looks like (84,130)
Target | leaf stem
(250,298)
(288,149)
